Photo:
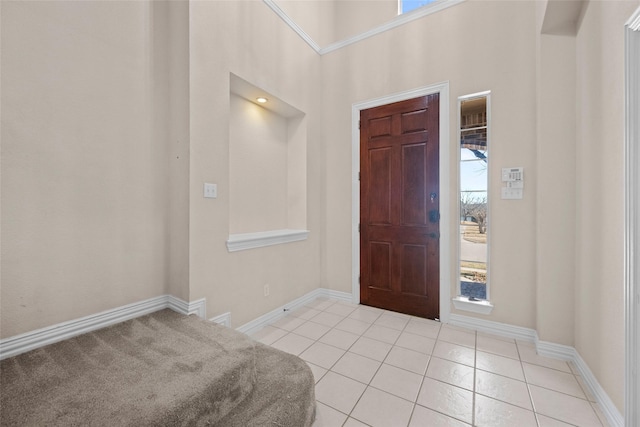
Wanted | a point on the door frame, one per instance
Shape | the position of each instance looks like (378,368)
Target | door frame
(632,215)
(445,188)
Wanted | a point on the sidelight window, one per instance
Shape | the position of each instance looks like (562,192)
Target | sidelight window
(473,199)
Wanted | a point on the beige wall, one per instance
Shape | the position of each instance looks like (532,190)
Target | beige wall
(250,41)
(84,173)
(599,295)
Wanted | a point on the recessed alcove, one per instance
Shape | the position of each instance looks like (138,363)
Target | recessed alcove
(267,169)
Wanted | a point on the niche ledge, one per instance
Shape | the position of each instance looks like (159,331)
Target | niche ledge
(244,241)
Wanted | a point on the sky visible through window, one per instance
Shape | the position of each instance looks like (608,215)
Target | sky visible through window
(409,5)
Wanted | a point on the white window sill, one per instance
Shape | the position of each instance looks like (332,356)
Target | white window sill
(481,307)
(244,241)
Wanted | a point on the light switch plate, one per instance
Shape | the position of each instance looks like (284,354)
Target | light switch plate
(210,190)
(509,193)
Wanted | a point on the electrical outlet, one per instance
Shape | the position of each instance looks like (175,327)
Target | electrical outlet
(210,191)
(266,290)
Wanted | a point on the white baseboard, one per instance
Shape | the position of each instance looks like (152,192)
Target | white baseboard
(548,349)
(496,328)
(222,319)
(270,317)
(22,343)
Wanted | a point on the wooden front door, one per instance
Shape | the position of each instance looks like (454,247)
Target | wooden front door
(399,207)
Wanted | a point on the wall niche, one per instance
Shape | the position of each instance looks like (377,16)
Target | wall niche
(267,168)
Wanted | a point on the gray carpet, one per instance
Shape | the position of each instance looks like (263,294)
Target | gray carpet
(163,369)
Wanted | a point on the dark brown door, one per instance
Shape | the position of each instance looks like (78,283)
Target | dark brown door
(399,207)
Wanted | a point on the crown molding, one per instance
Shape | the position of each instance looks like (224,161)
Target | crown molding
(399,20)
(292,24)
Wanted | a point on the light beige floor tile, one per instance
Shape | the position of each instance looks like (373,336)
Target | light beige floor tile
(340,339)
(339,392)
(425,328)
(528,354)
(305,312)
(496,337)
(396,314)
(544,421)
(416,342)
(563,407)
(365,315)
(340,310)
(352,422)
(382,333)
(451,373)
(311,330)
(393,322)
(268,335)
(600,414)
(447,399)
(408,359)
(502,388)
(354,326)
(425,417)
(288,323)
(553,379)
(322,355)
(371,348)
(455,353)
(398,382)
(456,336)
(327,319)
(499,365)
(317,371)
(328,417)
(292,343)
(451,327)
(497,346)
(356,367)
(320,303)
(379,409)
(494,413)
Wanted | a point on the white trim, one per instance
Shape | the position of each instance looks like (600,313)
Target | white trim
(556,351)
(632,216)
(275,314)
(609,410)
(445,193)
(480,307)
(222,319)
(495,328)
(197,307)
(395,22)
(22,343)
(245,241)
(292,24)
(548,349)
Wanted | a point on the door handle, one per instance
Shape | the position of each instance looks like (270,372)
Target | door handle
(432,235)
(434,215)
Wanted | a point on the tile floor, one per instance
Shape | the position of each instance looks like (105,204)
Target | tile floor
(383,369)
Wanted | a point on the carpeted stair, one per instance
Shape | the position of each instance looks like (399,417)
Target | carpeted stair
(163,369)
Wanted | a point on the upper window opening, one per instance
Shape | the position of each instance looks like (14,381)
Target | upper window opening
(405,6)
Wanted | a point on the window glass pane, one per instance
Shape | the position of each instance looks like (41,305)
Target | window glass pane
(474,197)
(409,5)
